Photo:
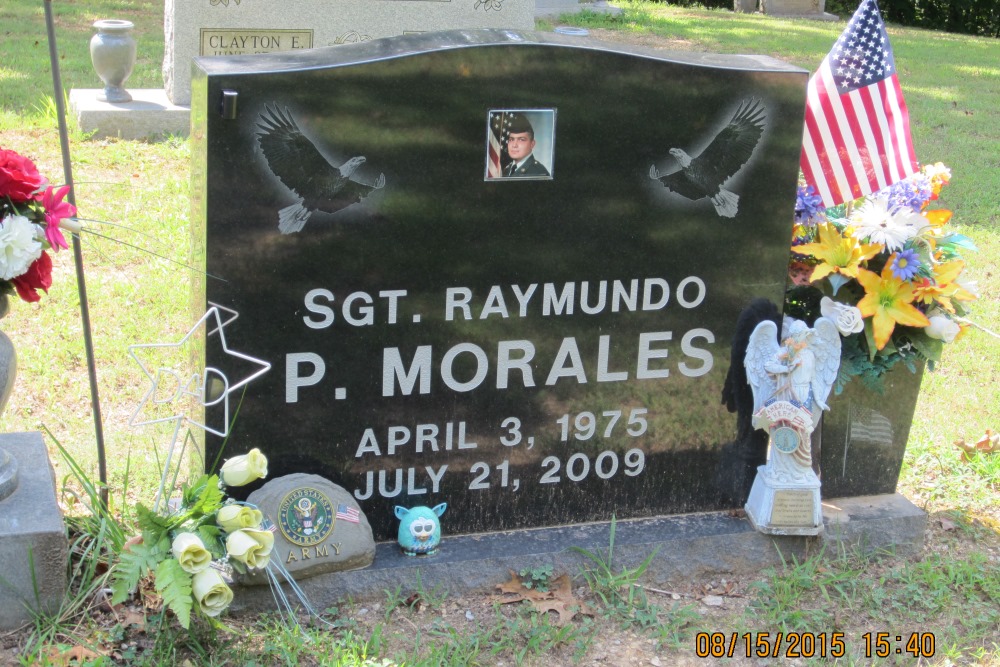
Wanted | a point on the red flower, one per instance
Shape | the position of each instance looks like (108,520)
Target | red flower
(19,178)
(37,277)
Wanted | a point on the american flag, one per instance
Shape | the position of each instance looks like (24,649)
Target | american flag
(499,129)
(348,513)
(857,132)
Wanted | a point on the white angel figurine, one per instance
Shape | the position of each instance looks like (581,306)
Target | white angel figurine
(791,382)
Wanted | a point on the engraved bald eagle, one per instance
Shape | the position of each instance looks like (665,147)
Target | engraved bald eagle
(705,174)
(298,164)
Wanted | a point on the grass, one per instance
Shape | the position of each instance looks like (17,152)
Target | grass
(952,87)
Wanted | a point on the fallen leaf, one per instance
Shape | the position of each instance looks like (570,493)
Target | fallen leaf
(414,602)
(559,598)
(136,618)
(78,654)
(513,586)
(989,443)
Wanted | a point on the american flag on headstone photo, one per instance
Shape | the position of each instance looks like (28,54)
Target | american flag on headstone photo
(857,131)
(499,129)
(348,513)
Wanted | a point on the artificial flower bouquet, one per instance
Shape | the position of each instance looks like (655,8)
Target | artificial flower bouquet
(32,217)
(191,549)
(886,270)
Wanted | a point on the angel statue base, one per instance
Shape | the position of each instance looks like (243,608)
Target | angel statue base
(791,382)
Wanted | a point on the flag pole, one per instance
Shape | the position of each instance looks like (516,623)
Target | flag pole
(81,283)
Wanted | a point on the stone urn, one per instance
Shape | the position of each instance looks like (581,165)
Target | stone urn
(112,50)
(8,369)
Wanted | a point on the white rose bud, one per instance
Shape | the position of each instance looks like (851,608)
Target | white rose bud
(848,319)
(250,547)
(191,553)
(234,517)
(211,592)
(243,469)
(942,328)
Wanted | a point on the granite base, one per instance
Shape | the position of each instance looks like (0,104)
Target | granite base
(686,547)
(33,545)
(150,115)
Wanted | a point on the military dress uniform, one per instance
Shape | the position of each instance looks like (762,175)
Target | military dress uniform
(530,167)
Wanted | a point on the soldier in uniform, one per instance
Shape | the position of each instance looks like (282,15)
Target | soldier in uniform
(520,143)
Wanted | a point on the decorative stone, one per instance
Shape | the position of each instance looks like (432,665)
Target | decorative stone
(318,526)
(112,50)
(33,545)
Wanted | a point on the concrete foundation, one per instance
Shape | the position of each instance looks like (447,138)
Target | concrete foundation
(34,550)
(150,115)
(686,546)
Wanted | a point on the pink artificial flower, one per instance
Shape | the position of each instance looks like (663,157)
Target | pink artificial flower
(56,210)
(37,277)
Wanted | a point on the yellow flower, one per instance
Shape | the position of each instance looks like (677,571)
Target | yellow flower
(211,592)
(888,301)
(191,553)
(250,546)
(838,253)
(243,469)
(235,517)
(944,287)
(938,174)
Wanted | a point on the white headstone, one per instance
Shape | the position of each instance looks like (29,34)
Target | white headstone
(243,27)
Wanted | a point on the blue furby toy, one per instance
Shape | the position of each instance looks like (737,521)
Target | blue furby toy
(419,529)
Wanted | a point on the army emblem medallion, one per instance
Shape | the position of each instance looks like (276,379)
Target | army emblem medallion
(305,517)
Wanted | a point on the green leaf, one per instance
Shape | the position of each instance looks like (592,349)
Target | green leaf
(153,526)
(211,537)
(174,584)
(929,348)
(190,492)
(133,565)
(211,497)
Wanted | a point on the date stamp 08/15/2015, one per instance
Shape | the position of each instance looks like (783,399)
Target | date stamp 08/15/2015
(810,644)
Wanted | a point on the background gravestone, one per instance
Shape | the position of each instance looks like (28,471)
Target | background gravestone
(238,27)
(532,352)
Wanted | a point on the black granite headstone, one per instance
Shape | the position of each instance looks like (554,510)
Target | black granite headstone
(494,269)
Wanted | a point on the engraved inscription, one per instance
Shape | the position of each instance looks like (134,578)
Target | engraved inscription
(792,508)
(241,42)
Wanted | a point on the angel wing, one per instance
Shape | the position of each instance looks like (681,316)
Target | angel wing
(762,348)
(825,346)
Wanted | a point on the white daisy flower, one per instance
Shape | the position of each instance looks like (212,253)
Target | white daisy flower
(880,222)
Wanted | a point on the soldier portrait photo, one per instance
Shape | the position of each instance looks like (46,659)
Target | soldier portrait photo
(520,144)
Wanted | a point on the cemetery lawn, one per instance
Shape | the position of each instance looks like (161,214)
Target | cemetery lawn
(951,589)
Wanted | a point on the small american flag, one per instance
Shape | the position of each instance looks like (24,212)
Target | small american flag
(857,131)
(499,129)
(348,513)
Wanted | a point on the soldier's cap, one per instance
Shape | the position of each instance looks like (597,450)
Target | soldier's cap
(519,124)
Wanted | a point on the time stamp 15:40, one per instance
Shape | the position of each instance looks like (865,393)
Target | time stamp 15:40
(810,644)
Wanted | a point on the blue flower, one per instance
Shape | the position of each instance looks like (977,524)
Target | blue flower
(913,192)
(906,264)
(809,209)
